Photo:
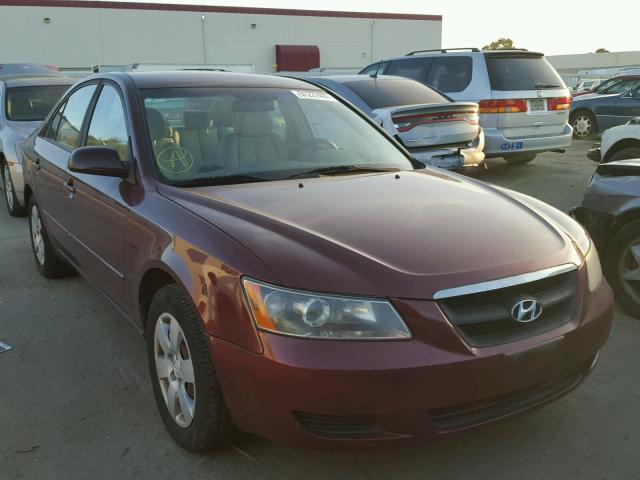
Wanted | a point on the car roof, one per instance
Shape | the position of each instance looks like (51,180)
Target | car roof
(38,81)
(358,78)
(17,70)
(189,78)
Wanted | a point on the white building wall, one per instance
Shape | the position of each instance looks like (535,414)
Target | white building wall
(80,37)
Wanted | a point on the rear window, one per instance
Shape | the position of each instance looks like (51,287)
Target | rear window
(414,68)
(32,103)
(510,73)
(388,92)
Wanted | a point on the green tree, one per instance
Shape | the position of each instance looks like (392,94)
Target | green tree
(500,44)
(602,50)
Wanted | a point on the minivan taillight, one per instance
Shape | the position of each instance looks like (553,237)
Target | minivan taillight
(561,103)
(503,106)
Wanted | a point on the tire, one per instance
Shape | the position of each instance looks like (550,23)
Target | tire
(49,264)
(520,159)
(10,198)
(625,154)
(200,419)
(584,124)
(620,259)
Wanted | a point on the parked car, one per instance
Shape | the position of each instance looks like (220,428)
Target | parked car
(436,130)
(611,85)
(610,211)
(591,114)
(524,104)
(618,143)
(24,103)
(584,86)
(303,277)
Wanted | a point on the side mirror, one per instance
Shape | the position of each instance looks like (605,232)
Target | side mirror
(103,161)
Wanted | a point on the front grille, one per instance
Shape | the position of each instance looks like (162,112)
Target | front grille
(339,426)
(468,415)
(484,319)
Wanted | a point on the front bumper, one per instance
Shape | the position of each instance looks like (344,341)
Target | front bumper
(352,395)
(595,153)
(497,145)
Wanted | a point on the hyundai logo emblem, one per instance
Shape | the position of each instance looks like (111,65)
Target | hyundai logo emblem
(527,310)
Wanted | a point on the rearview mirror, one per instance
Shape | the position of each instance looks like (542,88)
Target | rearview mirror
(103,161)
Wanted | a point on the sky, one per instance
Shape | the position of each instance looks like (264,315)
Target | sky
(552,27)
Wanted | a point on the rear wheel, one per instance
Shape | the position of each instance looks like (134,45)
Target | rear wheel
(584,124)
(185,384)
(48,263)
(625,154)
(11,199)
(622,267)
(520,158)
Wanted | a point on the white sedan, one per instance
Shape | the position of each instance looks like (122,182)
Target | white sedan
(618,143)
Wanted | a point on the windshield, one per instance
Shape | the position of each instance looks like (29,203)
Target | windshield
(388,92)
(511,73)
(208,135)
(621,87)
(27,104)
(606,84)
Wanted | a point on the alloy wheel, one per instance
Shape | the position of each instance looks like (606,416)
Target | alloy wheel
(37,235)
(629,269)
(8,187)
(174,369)
(582,125)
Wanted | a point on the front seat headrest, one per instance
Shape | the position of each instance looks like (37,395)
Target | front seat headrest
(158,125)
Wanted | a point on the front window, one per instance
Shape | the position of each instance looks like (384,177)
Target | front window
(213,135)
(32,104)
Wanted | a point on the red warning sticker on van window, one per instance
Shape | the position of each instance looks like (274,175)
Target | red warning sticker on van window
(313,95)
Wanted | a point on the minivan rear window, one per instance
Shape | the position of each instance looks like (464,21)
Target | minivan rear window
(393,92)
(510,73)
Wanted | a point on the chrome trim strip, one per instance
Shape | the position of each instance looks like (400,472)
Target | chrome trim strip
(504,282)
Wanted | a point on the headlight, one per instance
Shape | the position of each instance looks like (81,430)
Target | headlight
(594,269)
(306,314)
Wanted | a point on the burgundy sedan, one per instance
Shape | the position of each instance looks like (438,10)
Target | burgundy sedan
(297,274)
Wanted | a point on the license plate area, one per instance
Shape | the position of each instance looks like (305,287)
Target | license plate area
(537,105)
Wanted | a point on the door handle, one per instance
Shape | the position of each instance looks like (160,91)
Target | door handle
(36,164)
(68,186)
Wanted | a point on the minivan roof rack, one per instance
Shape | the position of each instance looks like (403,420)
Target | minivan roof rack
(444,50)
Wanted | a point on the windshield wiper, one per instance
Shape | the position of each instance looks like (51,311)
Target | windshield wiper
(221,180)
(340,169)
(547,85)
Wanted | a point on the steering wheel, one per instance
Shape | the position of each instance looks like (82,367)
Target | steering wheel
(315,143)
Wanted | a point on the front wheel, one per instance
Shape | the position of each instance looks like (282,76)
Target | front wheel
(185,383)
(622,267)
(584,124)
(11,199)
(520,159)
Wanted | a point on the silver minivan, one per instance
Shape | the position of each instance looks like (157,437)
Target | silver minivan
(524,104)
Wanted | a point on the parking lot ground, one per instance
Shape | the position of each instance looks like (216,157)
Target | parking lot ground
(76,400)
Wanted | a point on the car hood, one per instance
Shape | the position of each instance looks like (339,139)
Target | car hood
(23,129)
(377,234)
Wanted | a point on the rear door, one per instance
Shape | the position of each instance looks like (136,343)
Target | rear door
(540,104)
(51,156)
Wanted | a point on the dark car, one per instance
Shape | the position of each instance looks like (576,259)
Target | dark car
(22,70)
(609,84)
(591,114)
(610,211)
(297,274)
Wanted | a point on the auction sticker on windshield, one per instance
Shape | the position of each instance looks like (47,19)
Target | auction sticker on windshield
(313,95)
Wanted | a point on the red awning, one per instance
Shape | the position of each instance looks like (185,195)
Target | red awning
(297,58)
